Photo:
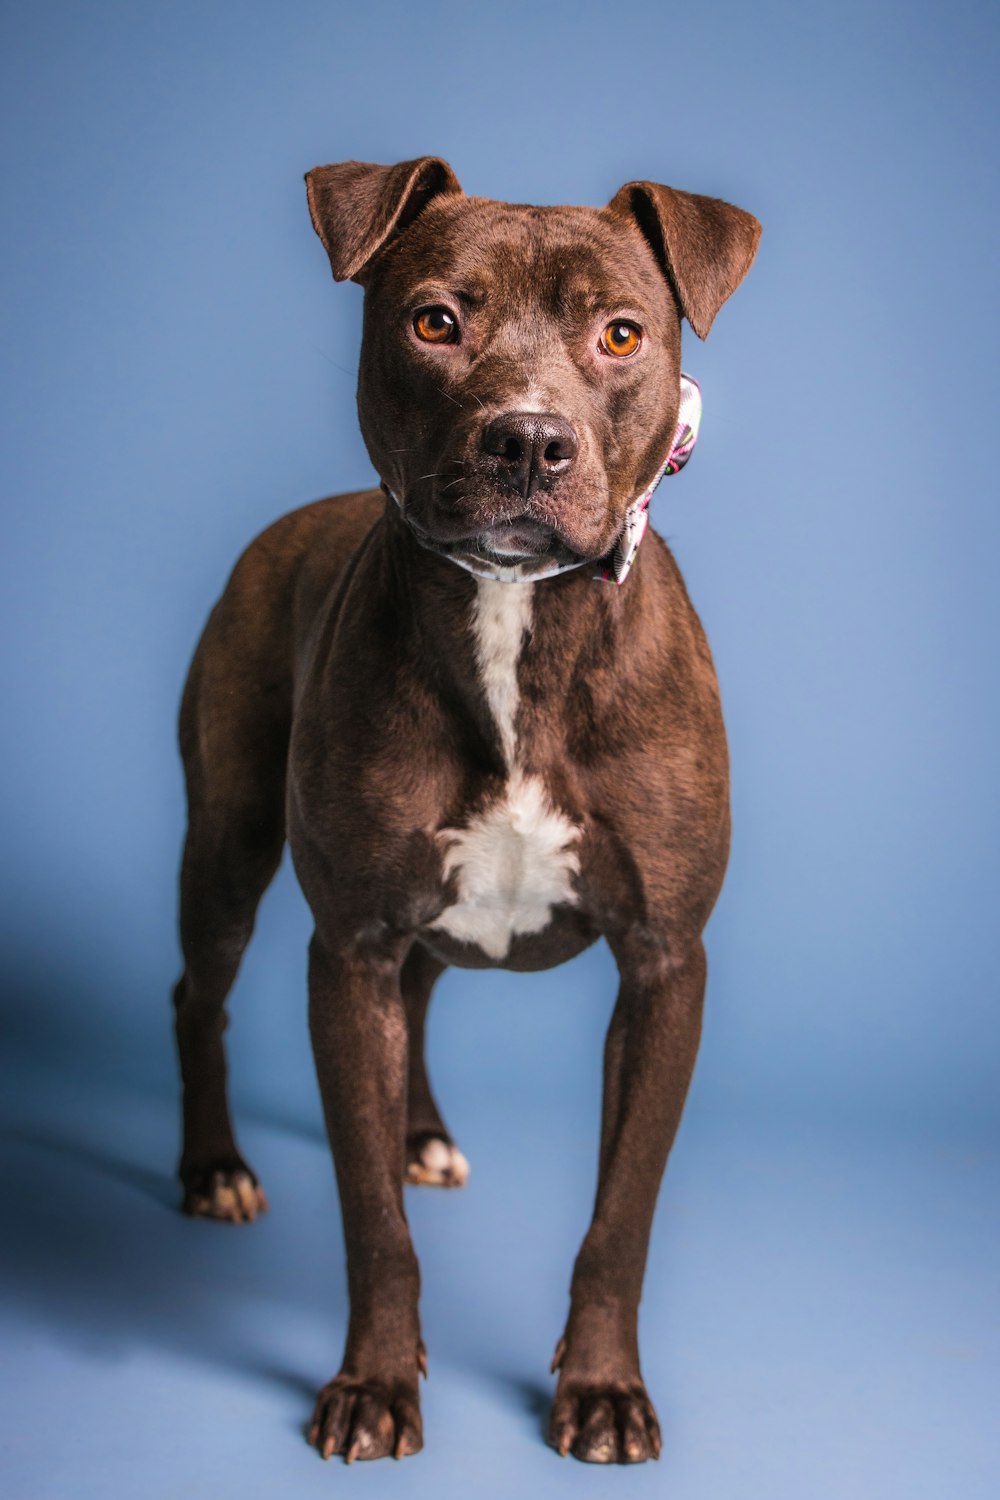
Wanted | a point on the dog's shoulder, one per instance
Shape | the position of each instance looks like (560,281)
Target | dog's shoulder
(326,526)
(301,554)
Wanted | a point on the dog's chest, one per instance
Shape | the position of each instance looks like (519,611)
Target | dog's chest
(514,859)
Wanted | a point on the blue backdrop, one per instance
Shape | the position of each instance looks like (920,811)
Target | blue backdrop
(179,370)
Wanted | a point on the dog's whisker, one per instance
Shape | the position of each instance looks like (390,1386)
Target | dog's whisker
(447,397)
(330,361)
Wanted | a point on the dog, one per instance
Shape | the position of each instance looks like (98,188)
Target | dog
(487,722)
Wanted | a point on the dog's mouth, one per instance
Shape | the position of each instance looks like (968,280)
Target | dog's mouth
(518,540)
(522,545)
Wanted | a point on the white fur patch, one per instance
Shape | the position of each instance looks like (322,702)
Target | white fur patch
(514,860)
(440,1165)
(532,401)
(501,615)
(513,863)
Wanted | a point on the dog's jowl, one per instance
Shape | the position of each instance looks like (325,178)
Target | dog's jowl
(486,720)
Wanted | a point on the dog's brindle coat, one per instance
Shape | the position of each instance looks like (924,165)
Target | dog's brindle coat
(471,771)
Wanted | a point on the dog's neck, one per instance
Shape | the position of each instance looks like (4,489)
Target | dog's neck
(513,658)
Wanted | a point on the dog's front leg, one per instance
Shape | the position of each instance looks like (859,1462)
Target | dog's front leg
(371,1409)
(601,1411)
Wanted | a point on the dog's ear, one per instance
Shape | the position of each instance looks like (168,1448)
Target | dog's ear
(357,207)
(705,247)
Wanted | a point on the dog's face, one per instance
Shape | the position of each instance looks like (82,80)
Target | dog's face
(519,375)
(520,367)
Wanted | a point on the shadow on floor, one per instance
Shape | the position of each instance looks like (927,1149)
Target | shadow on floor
(95,1247)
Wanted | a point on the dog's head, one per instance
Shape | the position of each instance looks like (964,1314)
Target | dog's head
(520,367)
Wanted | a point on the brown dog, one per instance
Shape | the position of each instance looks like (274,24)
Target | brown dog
(479,753)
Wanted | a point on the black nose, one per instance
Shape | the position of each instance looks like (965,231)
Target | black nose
(534,447)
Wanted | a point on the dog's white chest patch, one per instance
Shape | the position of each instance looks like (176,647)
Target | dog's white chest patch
(514,860)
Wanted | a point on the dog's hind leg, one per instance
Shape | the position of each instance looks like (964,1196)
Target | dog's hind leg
(234,732)
(432,1158)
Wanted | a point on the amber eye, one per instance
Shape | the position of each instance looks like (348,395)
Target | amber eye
(621,339)
(435,325)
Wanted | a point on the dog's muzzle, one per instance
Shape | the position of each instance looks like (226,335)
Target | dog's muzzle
(614,568)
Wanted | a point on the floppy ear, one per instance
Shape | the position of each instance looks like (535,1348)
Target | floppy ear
(358,207)
(705,247)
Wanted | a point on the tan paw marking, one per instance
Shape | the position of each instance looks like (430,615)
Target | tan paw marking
(607,1423)
(367,1419)
(437,1164)
(233,1197)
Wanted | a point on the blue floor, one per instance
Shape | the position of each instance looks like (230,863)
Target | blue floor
(820,1317)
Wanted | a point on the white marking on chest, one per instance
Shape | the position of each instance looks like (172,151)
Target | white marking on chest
(514,860)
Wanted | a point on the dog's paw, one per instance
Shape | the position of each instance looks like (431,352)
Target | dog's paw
(604,1424)
(431,1161)
(366,1419)
(226,1190)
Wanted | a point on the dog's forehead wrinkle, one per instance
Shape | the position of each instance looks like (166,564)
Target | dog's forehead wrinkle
(561,283)
(493,251)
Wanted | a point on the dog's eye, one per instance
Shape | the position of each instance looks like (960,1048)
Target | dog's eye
(621,339)
(435,325)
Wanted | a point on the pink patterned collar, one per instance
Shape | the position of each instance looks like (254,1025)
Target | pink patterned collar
(615,567)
